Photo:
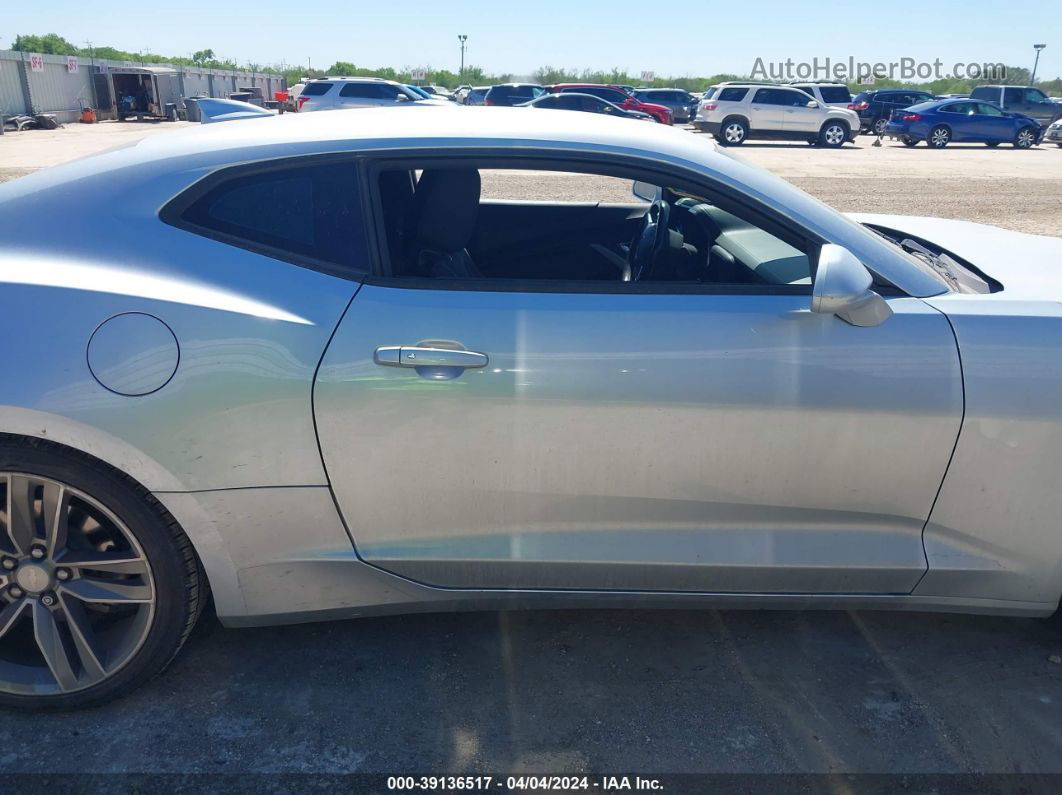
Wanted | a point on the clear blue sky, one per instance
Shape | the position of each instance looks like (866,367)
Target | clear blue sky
(696,38)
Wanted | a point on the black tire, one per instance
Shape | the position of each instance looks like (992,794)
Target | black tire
(991,144)
(909,141)
(1025,138)
(728,132)
(939,137)
(833,134)
(1059,146)
(878,127)
(180,586)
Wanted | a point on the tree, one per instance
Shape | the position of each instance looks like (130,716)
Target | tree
(48,44)
(201,57)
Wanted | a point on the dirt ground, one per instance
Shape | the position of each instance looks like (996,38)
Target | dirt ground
(1019,190)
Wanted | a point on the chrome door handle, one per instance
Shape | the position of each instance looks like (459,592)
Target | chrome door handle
(416,356)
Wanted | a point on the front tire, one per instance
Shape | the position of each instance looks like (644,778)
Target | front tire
(909,141)
(879,126)
(1025,139)
(939,137)
(733,132)
(99,587)
(833,134)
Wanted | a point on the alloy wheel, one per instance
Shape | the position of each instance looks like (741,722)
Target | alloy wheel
(834,135)
(879,126)
(1025,138)
(77,594)
(734,133)
(939,137)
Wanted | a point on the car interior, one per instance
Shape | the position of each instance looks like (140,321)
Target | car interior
(437,225)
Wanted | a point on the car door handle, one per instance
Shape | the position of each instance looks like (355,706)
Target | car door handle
(417,356)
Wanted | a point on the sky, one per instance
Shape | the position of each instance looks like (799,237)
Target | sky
(683,38)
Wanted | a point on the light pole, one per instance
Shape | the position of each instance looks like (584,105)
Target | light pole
(1036,63)
(461,37)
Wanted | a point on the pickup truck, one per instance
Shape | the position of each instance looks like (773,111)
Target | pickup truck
(1021,99)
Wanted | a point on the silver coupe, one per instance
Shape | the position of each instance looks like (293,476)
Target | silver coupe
(322,366)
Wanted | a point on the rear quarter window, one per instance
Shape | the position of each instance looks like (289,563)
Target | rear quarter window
(304,213)
(316,89)
(732,94)
(835,94)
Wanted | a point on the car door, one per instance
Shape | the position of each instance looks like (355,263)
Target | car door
(767,109)
(1036,104)
(618,436)
(798,117)
(991,124)
(357,95)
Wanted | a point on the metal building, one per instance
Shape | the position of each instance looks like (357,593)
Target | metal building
(31,83)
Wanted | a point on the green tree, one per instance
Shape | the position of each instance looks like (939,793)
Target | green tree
(202,57)
(48,44)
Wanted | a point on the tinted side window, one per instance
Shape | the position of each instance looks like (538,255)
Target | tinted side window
(316,89)
(732,94)
(310,211)
(1012,96)
(774,96)
(610,94)
(835,94)
(361,90)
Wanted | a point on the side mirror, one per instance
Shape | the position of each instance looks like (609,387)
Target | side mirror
(842,288)
(813,104)
(646,192)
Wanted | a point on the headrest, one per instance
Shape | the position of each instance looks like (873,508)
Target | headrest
(446,204)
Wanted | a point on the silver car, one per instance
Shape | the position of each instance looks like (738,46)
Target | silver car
(323,366)
(341,93)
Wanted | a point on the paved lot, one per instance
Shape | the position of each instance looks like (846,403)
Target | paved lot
(607,690)
(592,691)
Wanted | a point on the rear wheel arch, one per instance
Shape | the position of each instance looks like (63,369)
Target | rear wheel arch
(174,572)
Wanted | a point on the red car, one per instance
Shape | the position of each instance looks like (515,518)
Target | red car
(617,96)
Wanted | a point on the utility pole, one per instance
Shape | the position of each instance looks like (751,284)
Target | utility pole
(461,37)
(92,74)
(1037,47)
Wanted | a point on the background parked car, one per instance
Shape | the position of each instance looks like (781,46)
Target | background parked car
(875,107)
(440,91)
(674,99)
(738,112)
(836,94)
(962,121)
(421,91)
(617,96)
(334,93)
(586,103)
(1054,133)
(508,94)
(471,95)
(1025,100)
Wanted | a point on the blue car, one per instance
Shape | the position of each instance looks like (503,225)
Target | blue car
(941,122)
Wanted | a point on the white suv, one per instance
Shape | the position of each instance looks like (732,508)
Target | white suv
(335,93)
(736,112)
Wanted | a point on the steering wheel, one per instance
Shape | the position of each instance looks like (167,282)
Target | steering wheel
(650,240)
